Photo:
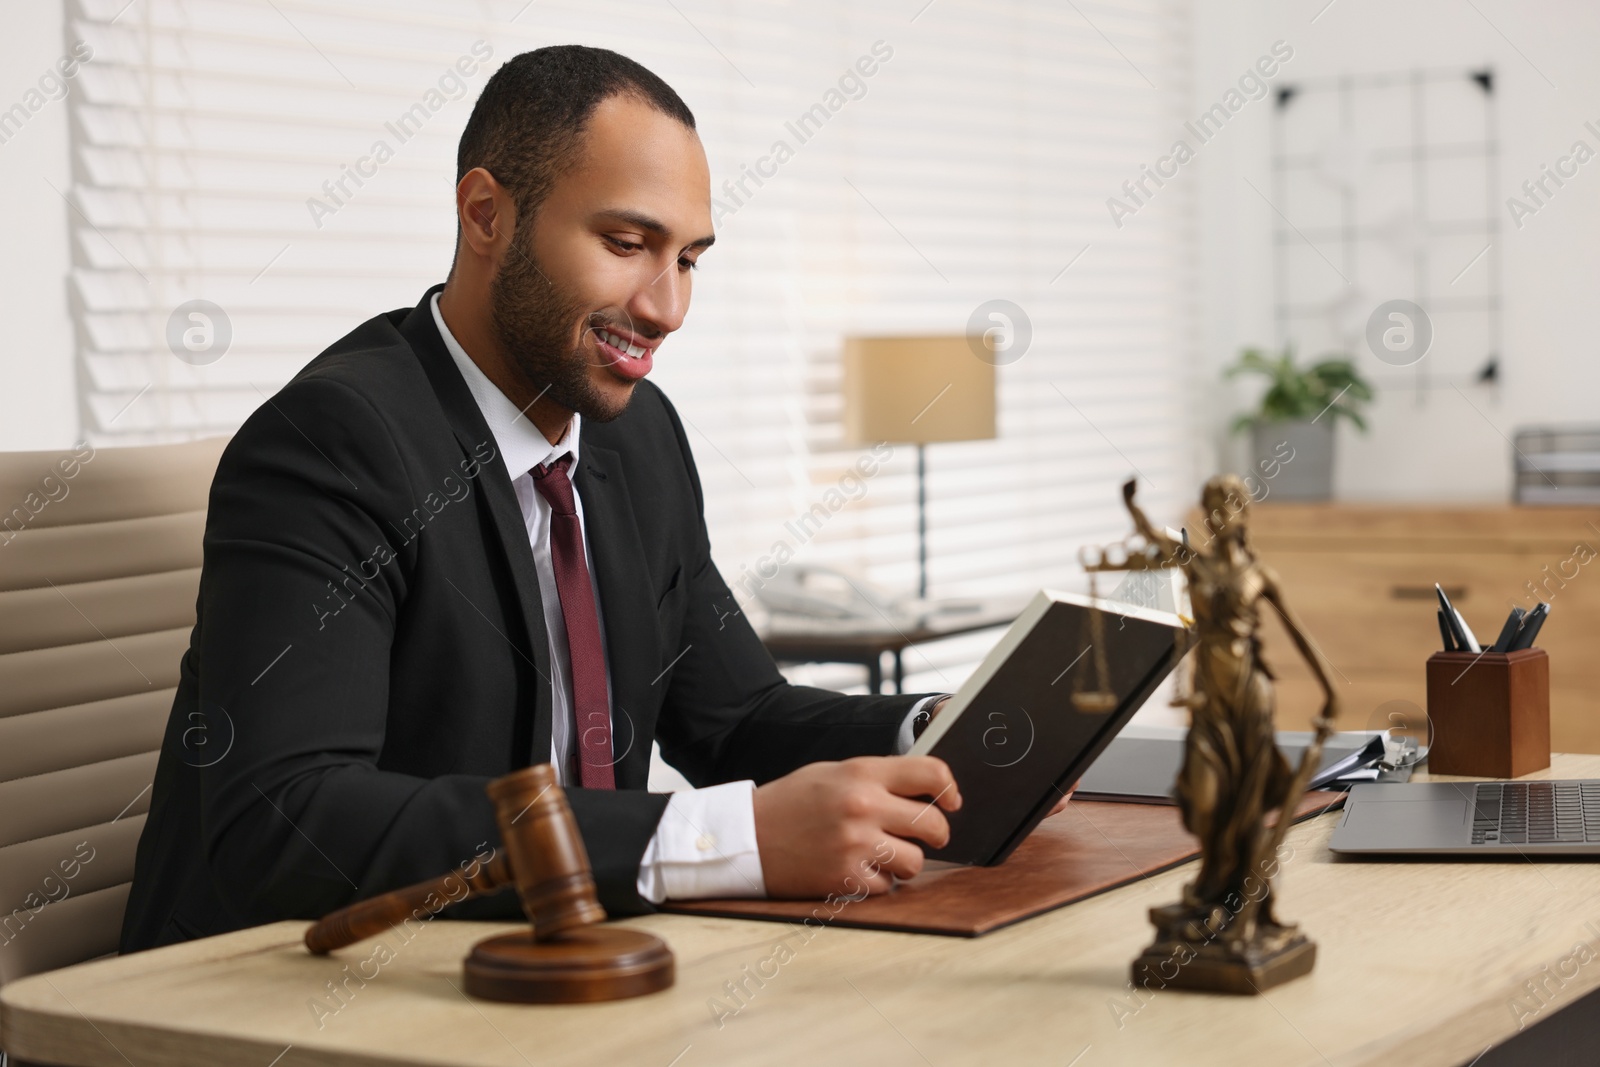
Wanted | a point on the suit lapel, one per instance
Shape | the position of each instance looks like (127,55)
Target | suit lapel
(626,607)
(471,431)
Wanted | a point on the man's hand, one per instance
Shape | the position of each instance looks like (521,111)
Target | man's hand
(848,827)
(1061,805)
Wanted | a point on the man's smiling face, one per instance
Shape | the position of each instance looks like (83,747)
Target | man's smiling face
(582,302)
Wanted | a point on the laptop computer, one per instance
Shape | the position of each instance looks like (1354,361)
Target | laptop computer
(1549,818)
(1141,765)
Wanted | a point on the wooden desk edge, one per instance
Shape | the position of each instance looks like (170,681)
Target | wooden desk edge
(38,1021)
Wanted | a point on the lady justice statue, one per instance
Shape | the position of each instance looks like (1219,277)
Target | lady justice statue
(1222,936)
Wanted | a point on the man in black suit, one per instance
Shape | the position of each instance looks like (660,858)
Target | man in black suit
(418,577)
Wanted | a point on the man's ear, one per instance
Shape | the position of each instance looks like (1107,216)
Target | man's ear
(486,214)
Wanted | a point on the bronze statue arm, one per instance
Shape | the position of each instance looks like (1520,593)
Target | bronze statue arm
(1273,595)
(1309,759)
(1141,522)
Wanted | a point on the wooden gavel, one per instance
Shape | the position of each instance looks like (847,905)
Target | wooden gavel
(568,956)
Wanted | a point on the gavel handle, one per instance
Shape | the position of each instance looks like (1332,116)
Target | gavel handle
(365,918)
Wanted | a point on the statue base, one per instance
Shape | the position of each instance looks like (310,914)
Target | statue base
(1181,957)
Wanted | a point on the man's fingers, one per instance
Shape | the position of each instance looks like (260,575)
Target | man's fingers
(873,876)
(1061,805)
(921,776)
(917,819)
(898,857)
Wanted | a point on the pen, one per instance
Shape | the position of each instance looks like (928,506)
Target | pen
(1465,641)
(1509,631)
(1470,644)
(1530,627)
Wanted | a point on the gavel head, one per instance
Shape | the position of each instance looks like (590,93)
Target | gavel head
(569,955)
(546,853)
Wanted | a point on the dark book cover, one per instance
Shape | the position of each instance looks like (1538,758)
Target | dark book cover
(1012,734)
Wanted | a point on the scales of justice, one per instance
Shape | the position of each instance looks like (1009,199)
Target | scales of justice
(1222,935)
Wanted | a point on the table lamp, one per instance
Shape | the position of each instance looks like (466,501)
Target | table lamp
(918,390)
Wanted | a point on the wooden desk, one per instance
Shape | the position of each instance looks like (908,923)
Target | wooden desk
(1419,964)
(798,640)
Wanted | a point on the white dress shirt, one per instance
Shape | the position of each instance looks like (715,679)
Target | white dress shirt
(705,844)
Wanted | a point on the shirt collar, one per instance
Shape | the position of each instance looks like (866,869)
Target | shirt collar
(521,443)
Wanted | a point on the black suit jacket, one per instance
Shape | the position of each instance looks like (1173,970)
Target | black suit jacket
(370,649)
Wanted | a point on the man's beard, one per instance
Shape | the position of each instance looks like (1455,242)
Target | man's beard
(532,318)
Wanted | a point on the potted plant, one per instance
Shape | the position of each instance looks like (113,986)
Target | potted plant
(1291,433)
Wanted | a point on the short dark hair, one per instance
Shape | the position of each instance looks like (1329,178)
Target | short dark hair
(529,120)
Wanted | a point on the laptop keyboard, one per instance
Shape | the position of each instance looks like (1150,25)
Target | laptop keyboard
(1536,813)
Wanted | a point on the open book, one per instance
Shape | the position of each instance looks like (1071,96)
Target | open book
(1014,736)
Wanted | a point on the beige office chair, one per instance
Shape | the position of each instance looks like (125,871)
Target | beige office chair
(99,568)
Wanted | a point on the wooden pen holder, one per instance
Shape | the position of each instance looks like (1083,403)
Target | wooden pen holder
(1490,713)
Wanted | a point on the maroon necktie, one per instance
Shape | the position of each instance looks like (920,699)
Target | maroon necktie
(591,708)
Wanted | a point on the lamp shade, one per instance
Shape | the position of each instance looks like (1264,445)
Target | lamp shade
(917,390)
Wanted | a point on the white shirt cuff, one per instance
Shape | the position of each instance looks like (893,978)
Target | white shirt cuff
(704,846)
(906,738)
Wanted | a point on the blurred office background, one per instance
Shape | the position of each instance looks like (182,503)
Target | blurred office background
(948,166)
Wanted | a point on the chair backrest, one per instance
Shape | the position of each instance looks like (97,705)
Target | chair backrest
(100,554)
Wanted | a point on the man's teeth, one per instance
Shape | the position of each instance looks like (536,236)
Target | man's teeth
(636,351)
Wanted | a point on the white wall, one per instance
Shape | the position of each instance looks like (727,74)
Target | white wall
(1432,446)
(38,405)
(1437,447)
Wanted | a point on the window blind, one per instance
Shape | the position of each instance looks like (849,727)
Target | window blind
(288,164)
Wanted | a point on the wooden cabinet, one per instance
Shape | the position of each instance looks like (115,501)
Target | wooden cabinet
(1361,579)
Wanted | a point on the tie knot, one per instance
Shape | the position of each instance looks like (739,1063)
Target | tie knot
(550,479)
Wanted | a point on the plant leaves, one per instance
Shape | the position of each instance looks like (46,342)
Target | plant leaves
(1300,394)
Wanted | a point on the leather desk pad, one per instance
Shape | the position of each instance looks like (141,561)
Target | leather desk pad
(1088,849)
